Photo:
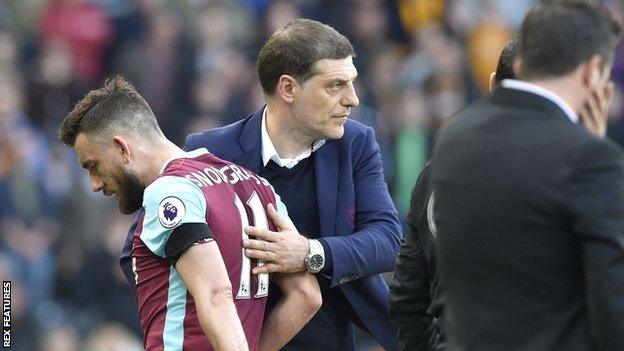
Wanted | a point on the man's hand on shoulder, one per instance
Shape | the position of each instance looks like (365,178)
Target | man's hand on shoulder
(283,251)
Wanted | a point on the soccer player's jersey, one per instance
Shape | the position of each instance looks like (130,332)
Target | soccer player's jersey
(198,188)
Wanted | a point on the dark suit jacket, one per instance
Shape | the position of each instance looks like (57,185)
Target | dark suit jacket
(358,220)
(530,229)
(415,299)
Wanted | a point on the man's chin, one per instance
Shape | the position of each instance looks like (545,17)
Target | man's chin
(336,133)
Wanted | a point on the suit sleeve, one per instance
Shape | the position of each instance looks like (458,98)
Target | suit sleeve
(410,286)
(189,143)
(373,247)
(595,196)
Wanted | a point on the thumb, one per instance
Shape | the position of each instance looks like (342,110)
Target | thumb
(279,222)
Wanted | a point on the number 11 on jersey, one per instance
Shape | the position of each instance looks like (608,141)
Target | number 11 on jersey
(260,221)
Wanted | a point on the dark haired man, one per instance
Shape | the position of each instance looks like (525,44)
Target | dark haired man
(529,205)
(327,169)
(415,292)
(186,252)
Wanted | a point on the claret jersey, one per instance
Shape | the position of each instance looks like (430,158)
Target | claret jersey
(198,187)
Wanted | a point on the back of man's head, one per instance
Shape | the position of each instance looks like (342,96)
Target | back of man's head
(559,35)
(295,48)
(116,107)
(507,59)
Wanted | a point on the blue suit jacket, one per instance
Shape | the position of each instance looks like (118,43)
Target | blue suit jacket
(357,218)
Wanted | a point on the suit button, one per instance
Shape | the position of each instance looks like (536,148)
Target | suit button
(343,280)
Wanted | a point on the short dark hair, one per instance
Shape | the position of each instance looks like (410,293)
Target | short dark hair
(509,55)
(294,48)
(559,35)
(113,107)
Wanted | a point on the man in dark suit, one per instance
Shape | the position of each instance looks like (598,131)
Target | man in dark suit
(328,171)
(415,295)
(529,205)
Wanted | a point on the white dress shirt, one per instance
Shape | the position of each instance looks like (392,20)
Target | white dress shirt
(269,152)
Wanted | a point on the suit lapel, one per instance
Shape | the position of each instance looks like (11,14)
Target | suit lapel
(326,172)
(250,141)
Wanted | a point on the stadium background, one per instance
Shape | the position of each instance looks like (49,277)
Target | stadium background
(194,61)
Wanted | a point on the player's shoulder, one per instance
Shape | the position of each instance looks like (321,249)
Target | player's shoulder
(170,197)
(169,185)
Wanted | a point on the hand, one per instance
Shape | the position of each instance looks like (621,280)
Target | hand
(595,110)
(283,251)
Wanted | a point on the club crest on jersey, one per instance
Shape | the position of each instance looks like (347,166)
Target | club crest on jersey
(171,210)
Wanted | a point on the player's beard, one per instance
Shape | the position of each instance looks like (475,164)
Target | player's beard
(130,194)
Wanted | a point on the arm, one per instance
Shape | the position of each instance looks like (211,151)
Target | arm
(300,292)
(595,199)
(175,228)
(203,272)
(410,286)
(370,250)
(301,298)
(373,247)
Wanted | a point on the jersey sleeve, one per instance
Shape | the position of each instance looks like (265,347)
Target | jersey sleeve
(280,207)
(169,202)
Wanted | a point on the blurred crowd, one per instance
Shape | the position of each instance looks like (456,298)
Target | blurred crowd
(419,61)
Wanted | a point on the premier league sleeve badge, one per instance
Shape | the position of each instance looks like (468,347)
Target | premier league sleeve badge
(171,211)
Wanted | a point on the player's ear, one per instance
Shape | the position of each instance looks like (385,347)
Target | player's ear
(285,88)
(492,81)
(517,68)
(122,148)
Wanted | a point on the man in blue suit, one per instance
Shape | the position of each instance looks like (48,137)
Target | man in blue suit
(328,171)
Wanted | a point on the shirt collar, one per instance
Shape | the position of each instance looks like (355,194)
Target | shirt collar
(270,153)
(545,93)
(189,154)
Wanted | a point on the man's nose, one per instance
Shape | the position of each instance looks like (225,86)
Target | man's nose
(350,98)
(96,184)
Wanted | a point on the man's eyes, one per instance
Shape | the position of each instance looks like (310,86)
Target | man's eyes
(91,167)
(336,86)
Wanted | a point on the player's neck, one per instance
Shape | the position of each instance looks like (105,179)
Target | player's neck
(286,139)
(156,156)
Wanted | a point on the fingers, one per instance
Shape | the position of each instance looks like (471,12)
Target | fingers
(258,245)
(593,105)
(261,254)
(608,94)
(266,268)
(263,234)
(595,110)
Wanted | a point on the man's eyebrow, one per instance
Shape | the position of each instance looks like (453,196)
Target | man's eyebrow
(342,78)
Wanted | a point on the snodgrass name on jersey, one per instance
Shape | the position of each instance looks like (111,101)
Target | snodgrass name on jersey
(229,174)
